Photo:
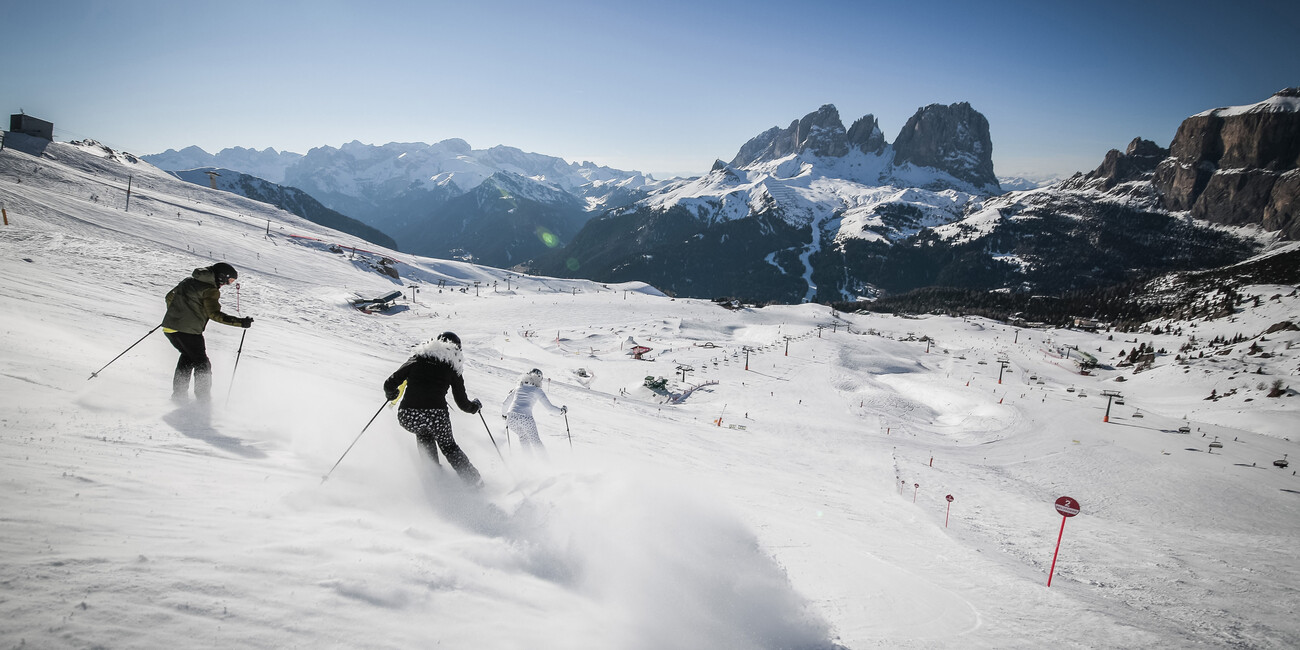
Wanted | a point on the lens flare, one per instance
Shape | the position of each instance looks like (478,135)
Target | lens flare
(572,263)
(547,237)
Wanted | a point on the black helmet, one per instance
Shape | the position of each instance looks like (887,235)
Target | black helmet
(451,338)
(224,273)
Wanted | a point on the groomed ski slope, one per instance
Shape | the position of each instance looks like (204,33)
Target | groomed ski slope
(131,522)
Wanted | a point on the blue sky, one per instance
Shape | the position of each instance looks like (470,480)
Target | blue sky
(661,87)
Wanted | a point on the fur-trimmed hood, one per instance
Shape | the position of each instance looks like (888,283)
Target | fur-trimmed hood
(440,350)
(531,378)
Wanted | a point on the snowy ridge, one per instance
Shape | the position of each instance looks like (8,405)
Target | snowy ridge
(268,163)
(805,189)
(366,171)
(1278,103)
(811,517)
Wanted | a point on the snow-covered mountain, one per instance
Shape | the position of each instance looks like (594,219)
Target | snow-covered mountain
(267,164)
(1227,187)
(818,212)
(290,199)
(1028,182)
(504,221)
(404,190)
(754,227)
(893,489)
(401,184)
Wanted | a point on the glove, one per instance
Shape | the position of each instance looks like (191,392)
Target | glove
(478,406)
(563,410)
(246,322)
(391,394)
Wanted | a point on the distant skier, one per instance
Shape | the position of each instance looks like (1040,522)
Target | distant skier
(194,302)
(434,366)
(518,410)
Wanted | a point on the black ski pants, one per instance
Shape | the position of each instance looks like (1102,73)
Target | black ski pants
(432,429)
(194,361)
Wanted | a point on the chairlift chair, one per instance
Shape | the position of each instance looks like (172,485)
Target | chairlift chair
(1281,463)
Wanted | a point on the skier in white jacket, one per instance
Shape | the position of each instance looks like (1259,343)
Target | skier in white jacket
(518,410)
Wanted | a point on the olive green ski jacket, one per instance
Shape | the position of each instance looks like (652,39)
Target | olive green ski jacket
(194,302)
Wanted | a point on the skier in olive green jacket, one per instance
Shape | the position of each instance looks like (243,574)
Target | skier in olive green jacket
(195,301)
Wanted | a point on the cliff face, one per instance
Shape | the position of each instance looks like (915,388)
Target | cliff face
(953,138)
(1238,165)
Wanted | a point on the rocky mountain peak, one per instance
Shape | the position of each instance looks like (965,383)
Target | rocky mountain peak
(1146,149)
(1138,161)
(954,139)
(820,132)
(865,135)
(1237,165)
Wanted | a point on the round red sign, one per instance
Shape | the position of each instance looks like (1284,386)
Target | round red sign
(1067,506)
(949,498)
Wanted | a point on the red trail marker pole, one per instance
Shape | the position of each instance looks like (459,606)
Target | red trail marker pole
(1068,508)
(945,514)
(917,487)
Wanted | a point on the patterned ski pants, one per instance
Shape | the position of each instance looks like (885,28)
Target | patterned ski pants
(432,429)
(526,428)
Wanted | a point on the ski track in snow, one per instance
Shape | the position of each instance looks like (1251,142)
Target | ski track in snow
(774,509)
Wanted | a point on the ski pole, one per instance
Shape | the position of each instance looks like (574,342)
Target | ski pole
(566,430)
(494,440)
(354,442)
(96,373)
(232,372)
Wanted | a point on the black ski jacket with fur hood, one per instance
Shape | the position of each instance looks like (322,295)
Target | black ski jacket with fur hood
(434,367)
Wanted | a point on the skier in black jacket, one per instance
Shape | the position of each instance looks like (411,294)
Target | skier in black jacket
(434,366)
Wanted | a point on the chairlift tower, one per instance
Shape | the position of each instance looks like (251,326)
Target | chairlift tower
(1110,395)
(1003,362)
